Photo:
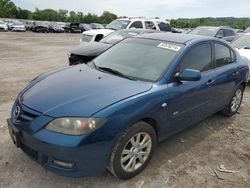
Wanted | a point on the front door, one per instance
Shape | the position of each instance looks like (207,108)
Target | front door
(191,101)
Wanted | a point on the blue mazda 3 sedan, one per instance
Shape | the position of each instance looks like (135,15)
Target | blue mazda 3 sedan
(111,113)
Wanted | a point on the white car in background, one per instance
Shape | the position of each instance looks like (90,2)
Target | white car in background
(3,26)
(126,23)
(18,26)
(140,23)
(95,35)
(242,45)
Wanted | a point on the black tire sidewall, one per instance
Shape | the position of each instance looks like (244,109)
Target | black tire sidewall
(116,168)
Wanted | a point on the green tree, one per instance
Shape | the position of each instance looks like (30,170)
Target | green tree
(107,17)
(23,14)
(62,14)
(7,9)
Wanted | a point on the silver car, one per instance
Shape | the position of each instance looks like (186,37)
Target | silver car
(226,33)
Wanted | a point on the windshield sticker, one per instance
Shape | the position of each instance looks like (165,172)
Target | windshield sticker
(169,47)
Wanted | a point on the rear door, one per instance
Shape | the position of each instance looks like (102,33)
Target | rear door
(191,101)
(226,73)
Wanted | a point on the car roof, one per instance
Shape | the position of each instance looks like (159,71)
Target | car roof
(139,30)
(216,27)
(173,37)
(143,19)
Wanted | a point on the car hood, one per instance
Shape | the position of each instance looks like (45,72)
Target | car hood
(78,91)
(244,53)
(90,49)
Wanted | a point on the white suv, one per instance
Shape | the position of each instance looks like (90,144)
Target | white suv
(125,23)
(139,23)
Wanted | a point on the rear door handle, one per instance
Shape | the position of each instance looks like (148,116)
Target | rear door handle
(210,82)
(235,73)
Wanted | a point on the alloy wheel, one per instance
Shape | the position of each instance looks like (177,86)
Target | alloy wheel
(136,152)
(236,100)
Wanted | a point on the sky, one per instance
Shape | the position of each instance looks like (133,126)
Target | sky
(165,9)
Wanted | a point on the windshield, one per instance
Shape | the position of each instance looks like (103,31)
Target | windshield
(206,31)
(242,42)
(117,36)
(118,24)
(141,59)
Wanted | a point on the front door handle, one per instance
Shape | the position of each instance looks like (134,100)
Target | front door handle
(210,82)
(235,73)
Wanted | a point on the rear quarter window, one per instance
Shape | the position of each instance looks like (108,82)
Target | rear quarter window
(223,55)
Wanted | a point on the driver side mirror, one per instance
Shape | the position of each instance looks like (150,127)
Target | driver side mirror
(188,75)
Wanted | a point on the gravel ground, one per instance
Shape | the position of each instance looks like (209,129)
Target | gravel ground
(187,159)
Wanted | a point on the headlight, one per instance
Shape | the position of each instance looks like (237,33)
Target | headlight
(75,126)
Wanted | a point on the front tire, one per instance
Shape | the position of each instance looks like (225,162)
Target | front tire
(133,151)
(235,102)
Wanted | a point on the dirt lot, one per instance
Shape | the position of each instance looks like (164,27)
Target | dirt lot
(184,160)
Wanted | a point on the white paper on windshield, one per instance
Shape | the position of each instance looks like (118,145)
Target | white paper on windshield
(169,47)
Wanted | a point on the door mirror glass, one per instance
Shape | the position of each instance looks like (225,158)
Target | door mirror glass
(188,75)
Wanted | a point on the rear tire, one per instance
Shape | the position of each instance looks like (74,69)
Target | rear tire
(133,151)
(235,102)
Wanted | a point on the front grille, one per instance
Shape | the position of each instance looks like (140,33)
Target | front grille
(26,115)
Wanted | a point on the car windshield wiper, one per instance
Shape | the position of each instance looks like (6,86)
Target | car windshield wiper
(106,69)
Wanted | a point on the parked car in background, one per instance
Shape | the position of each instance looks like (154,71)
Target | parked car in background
(72,28)
(247,30)
(3,26)
(18,26)
(85,27)
(139,23)
(40,27)
(242,45)
(10,25)
(96,26)
(95,35)
(125,23)
(110,114)
(86,52)
(222,32)
(29,25)
(55,28)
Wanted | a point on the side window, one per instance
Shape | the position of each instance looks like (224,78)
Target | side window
(228,33)
(150,25)
(199,58)
(98,37)
(164,27)
(223,55)
(136,24)
(220,34)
